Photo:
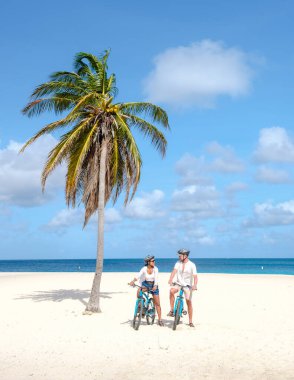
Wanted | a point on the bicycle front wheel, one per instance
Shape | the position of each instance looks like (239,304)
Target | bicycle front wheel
(138,314)
(177,315)
(150,316)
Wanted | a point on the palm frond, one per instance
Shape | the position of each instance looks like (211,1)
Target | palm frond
(66,76)
(55,87)
(111,86)
(130,146)
(156,113)
(47,129)
(62,149)
(55,103)
(77,157)
(94,62)
(149,130)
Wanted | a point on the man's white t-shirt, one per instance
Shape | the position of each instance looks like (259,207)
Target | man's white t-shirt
(185,273)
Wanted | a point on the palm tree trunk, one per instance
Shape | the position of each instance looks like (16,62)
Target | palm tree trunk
(94,301)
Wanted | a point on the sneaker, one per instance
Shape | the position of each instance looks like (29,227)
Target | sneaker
(191,325)
(171,314)
(160,323)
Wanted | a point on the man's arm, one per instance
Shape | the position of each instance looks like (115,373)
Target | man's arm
(195,278)
(172,275)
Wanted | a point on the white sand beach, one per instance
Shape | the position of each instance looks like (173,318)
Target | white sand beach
(244,330)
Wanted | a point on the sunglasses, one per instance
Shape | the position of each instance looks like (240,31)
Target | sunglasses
(152,261)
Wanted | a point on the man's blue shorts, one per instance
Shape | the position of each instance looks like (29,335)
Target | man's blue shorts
(149,286)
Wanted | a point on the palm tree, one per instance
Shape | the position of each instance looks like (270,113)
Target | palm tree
(99,149)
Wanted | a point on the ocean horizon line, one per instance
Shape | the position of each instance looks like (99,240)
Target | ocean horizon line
(204,265)
(159,258)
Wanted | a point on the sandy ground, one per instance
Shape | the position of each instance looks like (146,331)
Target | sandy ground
(244,330)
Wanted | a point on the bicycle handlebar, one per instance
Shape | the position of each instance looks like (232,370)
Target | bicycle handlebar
(140,287)
(135,285)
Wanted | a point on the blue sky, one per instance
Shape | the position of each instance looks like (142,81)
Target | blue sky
(224,72)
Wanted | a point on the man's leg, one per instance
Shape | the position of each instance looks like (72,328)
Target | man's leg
(172,293)
(190,310)
(188,296)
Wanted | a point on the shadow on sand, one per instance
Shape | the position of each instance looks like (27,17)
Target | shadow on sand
(62,295)
(167,322)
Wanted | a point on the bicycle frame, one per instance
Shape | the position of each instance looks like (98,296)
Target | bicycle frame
(143,299)
(179,299)
(178,310)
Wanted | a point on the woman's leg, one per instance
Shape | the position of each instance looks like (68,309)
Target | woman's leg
(157,305)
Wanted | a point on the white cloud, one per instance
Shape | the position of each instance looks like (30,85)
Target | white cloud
(112,216)
(267,214)
(206,240)
(268,239)
(180,222)
(236,186)
(269,175)
(185,227)
(148,206)
(20,174)
(65,218)
(198,74)
(192,170)
(68,217)
(231,191)
(5,210)
(226,161)
(200,200)
(274,145)
(200,236)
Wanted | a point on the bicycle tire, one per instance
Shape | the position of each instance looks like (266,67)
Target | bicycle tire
(138,314)
(177,316)
(150,315)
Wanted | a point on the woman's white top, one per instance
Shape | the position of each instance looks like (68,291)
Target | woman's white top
(145,276)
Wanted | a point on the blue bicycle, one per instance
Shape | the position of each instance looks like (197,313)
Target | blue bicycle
(178,307)
(144,307)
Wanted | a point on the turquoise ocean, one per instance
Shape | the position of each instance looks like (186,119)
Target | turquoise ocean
(237,266)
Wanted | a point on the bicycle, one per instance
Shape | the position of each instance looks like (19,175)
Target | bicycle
(144,307)
(179,307)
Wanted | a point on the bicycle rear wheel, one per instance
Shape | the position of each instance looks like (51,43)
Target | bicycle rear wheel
(177,315)
(138,314)
(150,315)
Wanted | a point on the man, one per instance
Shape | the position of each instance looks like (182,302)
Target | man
(186,275)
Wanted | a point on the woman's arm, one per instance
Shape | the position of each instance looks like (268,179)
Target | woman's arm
(141,274)
(138,277)
(155,277)
(132,283)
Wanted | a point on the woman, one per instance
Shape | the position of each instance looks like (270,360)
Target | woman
(148,278)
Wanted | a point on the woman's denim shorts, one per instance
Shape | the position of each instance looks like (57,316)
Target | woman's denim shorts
(149,286)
